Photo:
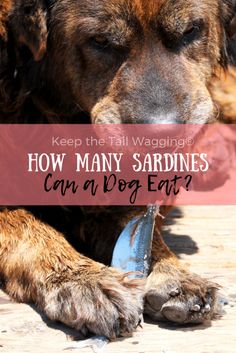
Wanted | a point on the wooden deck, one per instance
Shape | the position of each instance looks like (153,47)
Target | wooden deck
(206,239)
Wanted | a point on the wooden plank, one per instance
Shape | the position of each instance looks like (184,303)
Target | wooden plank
(203,237)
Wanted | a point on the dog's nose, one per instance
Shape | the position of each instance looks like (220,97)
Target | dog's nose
(163,118)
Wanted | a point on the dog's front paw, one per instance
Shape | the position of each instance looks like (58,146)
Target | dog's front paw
(104,302)
(181,297)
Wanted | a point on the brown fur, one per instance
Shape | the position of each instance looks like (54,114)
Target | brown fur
(223,91)
(123,61)
(5,8)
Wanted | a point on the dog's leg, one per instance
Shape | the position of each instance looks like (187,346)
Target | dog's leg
(173,293)
(38,265)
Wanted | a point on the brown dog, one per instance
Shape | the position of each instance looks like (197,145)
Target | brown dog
(104,61)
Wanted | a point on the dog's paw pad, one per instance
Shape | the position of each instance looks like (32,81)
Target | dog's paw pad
(179,312)
(184,299)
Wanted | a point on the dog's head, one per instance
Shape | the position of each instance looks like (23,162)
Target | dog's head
(127,61)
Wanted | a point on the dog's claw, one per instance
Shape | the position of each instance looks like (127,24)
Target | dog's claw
(207,308)
(174,292)
(196,308)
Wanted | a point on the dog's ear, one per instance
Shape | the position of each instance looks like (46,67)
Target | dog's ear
(28,24)
(232,27)
(23,37)
(228,13)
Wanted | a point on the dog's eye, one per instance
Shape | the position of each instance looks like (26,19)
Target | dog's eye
(180,38)
(100,42)
(191,33)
